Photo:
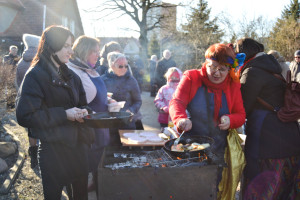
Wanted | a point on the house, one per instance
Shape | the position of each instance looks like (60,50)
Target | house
(130,45)
(33,16)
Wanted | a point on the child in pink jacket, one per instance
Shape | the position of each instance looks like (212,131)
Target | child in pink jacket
(164,95)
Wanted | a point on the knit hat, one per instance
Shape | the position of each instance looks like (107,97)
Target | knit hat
(31,40)
(297,53)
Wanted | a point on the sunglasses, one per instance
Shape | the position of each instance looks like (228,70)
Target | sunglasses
(121,66)
(297,56)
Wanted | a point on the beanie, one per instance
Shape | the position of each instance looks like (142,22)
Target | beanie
(31,40)
(297,53)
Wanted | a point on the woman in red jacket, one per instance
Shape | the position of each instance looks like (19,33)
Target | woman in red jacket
(212,98)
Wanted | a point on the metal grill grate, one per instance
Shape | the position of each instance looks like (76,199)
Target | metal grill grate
(157,158)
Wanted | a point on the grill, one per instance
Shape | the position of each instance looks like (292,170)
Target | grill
(136,173)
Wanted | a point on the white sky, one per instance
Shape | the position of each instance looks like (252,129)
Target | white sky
(237,9)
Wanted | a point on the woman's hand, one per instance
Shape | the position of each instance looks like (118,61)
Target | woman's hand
(184,124)
(110,100)
(76,114)
(225,122)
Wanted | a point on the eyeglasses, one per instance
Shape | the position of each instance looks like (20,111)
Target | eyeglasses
(121,66)
(221,68)
(297,56)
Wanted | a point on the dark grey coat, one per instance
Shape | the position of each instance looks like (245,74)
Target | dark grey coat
(161,68)
(275,139)
(24,64)
(124,88)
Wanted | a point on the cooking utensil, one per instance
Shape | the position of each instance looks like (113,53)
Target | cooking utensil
(108,119)
(188,140)
(178,139)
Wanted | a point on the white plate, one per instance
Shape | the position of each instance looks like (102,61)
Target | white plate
(130,135)
(154,139)
(148,134)
(137,139)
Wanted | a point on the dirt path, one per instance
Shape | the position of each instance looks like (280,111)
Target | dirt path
(149,112)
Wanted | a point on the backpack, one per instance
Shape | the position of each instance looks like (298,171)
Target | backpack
(290,111)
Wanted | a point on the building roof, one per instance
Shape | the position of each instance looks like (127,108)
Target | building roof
(26,16)
(16,4)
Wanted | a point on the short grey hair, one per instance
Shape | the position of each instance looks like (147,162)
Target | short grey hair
(112,57)
(153,57)
(167,54)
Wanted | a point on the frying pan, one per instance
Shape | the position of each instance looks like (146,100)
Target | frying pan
(108,119)
(188,140)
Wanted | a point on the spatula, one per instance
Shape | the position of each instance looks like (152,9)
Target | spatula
(178,139)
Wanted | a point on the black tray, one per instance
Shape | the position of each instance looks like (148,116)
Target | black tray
(108,119)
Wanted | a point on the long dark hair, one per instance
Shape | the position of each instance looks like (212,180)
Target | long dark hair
(52,40)
(248,46)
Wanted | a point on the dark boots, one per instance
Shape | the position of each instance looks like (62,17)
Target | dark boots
(32,151)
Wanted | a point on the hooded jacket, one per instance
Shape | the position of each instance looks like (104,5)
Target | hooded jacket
(274,138)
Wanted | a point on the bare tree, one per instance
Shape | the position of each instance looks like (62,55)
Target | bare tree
(137,10)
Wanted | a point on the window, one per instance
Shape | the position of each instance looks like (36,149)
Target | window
(72,26)
(64,21)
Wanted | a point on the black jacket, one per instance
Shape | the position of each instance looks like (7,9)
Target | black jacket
(276,139)
(162,67)
(42,100)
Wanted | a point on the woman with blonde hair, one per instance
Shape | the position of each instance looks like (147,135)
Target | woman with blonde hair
(86,53)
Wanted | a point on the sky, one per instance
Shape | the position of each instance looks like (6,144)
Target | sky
(236,9)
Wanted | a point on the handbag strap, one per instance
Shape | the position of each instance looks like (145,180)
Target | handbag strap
(265,104)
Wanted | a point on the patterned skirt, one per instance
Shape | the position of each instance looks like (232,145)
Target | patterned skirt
(278,179)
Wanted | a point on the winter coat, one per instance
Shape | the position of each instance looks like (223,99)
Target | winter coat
(24,64)
(11,60)
(295,71)
(152,66)
(162,101)
(42,100)
(267,136)
(191,81)
(124,88)
(161,68)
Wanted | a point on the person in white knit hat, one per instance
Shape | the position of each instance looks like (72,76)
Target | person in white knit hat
(31,43)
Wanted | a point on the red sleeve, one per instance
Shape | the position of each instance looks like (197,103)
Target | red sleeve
(184,93)
(237,111)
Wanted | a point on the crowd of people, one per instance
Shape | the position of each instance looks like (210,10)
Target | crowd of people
(61,79)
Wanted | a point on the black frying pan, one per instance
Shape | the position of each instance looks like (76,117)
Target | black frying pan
(188,140)
(108,119)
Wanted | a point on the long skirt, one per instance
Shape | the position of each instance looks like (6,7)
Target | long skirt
(278,179)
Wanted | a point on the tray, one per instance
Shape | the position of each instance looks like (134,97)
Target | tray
(126,142)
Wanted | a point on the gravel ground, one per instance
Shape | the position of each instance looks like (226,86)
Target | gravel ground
(28,184)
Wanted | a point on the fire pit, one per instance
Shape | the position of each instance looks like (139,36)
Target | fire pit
(139,174)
